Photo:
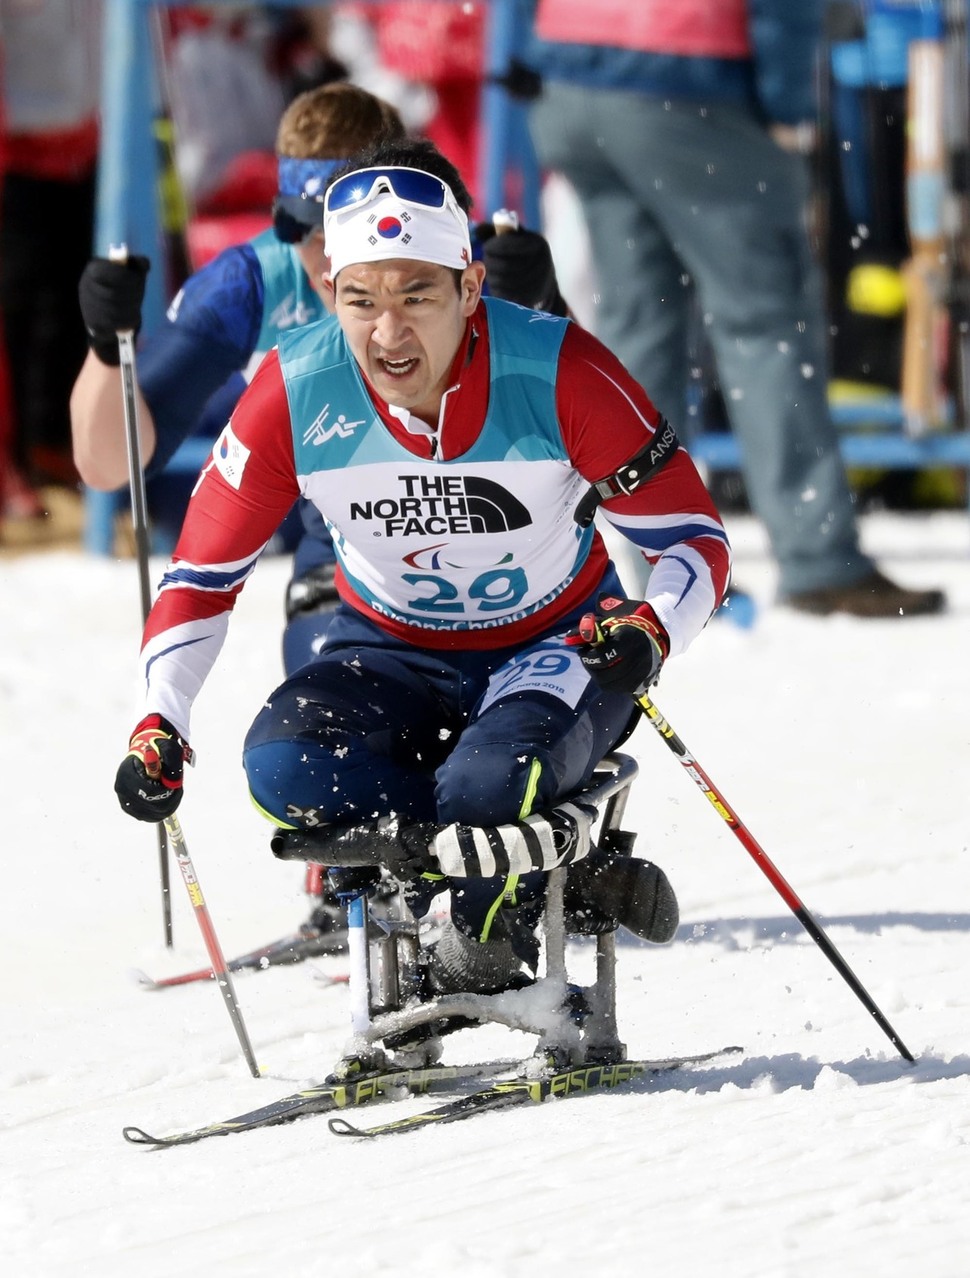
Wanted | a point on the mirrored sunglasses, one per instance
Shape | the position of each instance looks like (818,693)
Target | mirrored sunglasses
(410,186)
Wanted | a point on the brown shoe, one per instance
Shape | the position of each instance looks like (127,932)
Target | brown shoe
(873,596)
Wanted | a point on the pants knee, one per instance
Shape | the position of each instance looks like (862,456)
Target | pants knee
(285,783)
(494,784)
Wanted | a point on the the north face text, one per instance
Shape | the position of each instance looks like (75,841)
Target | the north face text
(440,505)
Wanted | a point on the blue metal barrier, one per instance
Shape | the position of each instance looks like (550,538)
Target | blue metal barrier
(101,510)
(885,450)
(871,435)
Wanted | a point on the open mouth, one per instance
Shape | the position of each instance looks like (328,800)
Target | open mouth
(397,367)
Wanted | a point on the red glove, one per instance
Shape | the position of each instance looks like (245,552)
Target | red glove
(622,645)
(149,780)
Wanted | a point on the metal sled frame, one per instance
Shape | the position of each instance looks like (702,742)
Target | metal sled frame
(384,955)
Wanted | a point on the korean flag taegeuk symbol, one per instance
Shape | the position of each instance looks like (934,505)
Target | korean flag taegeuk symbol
(389,228)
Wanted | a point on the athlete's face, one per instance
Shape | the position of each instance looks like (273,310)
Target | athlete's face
(404,322)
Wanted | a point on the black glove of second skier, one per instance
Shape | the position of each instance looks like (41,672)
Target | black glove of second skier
(110,295)
(149,780)
(312,591)
(622,645)
(520,269)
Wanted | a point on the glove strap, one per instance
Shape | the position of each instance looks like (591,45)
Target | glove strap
(646,620)
(152,729)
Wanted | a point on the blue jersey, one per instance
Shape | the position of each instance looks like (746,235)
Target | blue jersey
(217,329)
(216,332)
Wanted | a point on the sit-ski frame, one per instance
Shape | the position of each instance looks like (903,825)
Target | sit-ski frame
(384,964)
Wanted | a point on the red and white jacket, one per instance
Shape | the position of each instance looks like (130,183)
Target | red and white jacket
(251,482)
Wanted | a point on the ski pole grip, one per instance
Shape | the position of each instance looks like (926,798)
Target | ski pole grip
(119,253)
(505,221)
(153,763)
(589,629)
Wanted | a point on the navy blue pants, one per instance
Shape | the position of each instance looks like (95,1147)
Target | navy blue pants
(375,727)
(306,631)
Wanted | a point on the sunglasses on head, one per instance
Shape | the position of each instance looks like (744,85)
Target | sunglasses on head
(410,186)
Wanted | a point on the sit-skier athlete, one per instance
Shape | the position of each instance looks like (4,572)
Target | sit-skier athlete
(457,448)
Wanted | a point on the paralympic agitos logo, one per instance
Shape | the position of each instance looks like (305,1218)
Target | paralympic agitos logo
(439,505)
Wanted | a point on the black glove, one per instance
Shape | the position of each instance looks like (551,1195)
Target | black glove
(312,591)
(111,294)
(519,268)
(520,81)
(622,645)
(149,781)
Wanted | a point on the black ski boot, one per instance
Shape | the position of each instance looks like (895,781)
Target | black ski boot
(457,964)
(607,890)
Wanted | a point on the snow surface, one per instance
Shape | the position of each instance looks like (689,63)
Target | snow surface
(844,747)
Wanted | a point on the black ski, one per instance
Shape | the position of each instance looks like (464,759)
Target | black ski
(302,945)
(360,1090)
(580,1080)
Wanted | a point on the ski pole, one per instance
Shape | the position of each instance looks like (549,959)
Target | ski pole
(778,882)
(220,969)
(172,826)
(139,517)
(355,904)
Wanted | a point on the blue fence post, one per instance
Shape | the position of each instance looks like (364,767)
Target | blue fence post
(506,142)
(127,200)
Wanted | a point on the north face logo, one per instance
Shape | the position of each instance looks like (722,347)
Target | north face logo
(435,505)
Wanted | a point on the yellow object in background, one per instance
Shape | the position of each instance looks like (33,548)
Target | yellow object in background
(876,289)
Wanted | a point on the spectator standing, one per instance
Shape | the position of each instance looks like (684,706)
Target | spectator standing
(684,138)
(428,58)
(51,76)
(441,46)
(17,499)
